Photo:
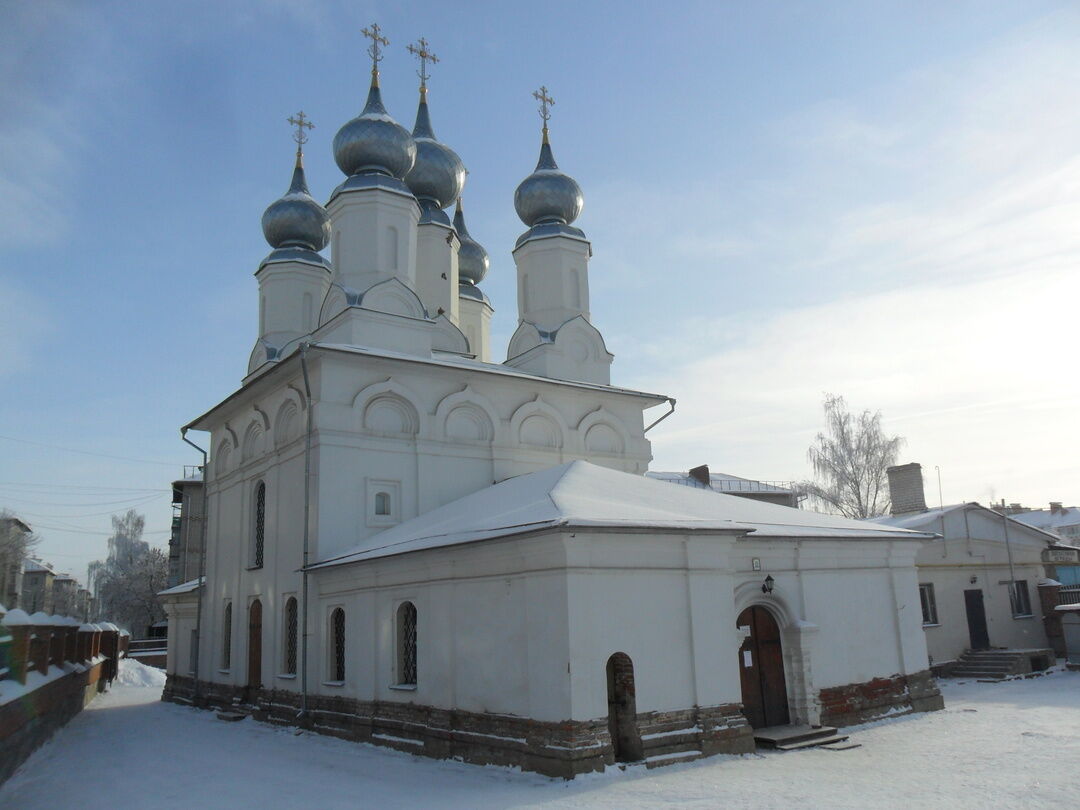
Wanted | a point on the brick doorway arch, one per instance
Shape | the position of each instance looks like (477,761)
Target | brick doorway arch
(622,709)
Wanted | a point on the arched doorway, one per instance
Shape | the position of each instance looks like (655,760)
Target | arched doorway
(761,669)
(254,671)
(622,709)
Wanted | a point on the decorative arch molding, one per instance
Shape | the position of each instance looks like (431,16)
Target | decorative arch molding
(602,432)
(337,299)
(525,337)
(231,434)
(287,423)
(582,341)
(527,425)
(300,398)
(389,408)
(394,298)
(223,457)
(262,353)
(448,338)
(253,441)
(263,417)
(468,416)
(748,594)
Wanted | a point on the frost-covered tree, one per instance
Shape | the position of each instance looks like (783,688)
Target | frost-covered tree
(849,459)
(127,582)
(16,540)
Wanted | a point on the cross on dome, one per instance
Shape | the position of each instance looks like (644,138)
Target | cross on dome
(301,122)
(374,51)
(422,52)
(546,102)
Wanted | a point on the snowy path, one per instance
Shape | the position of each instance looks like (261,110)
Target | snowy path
(1015,744)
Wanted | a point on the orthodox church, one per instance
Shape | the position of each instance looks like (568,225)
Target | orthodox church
(411,544)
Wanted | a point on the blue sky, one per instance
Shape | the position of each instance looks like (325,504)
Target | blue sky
(879,200)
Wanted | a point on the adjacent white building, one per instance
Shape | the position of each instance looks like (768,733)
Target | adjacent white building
(412,545)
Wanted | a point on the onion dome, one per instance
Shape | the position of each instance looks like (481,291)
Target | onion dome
(473,260)
(296,220)
(438,175)
(373,142)
(547,196)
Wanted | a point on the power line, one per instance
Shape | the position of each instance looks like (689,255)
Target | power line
(90,489)
(91,453)
(134,501)
(87,531)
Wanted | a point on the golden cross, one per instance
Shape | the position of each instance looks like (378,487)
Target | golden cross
(375,35)
(421,52)
(300,122)
(546,101)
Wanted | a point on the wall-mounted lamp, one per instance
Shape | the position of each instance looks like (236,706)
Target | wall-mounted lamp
(767,586)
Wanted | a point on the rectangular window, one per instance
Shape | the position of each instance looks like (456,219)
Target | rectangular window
(929,604)
(193,653)
(1018,595)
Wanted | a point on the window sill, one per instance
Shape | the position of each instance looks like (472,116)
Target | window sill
(254,568)
(931,624)
(224,671)
(1024,616)
(403,687)
(287,676)
(333,683)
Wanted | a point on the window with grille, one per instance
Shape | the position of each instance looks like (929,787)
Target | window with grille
(929,603)
(226,638)
(1018,595)
(407,643)
(337,633)
(260,524)
(193,652)
(290,636)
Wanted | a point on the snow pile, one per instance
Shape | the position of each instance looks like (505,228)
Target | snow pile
(132,673)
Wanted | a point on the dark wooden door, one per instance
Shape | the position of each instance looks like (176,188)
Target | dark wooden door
(976,618)
(254,673)
(761,668)
(622,709)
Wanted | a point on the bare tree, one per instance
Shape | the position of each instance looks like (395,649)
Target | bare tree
(849,460)
(16,541)
(127,582)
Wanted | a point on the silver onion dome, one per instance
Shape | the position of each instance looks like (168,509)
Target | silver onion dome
(473,260)
(438,175)
(373,142)
(547,195)
(296,220)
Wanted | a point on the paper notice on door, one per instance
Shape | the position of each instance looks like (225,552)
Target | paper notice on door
(747,659)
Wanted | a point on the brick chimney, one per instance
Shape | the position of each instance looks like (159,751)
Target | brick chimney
(701,475)
(906,488)
(1055,507)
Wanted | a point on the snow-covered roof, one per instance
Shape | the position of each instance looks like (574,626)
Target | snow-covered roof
(30,565)
(1047,519)
(720,482)
(582,495)
(183,587)
(930,519)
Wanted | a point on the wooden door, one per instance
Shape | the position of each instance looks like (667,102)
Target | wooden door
(254,673)
(976,618)
(761,668)
(622,709)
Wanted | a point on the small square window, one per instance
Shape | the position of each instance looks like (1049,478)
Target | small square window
(383,502)
(929,603)
(1018,596)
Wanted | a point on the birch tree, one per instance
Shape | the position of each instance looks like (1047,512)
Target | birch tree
(849,459)
(127,582)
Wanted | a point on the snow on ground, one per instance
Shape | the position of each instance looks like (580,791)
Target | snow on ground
(1004,744)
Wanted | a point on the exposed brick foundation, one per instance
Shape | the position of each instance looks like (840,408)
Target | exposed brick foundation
(562,749)
(862,702)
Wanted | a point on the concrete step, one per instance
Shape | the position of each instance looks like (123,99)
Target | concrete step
(841,746)
(833,739)
(657,760)
(776,736)
(231,717)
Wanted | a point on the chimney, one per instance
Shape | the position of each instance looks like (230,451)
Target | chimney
(906,488)
(701,475)
(1055,507)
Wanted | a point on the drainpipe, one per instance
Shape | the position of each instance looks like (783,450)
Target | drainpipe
(671,402)
(307,536)
(1008,550)
(201,586)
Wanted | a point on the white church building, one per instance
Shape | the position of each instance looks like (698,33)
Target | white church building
(412,544)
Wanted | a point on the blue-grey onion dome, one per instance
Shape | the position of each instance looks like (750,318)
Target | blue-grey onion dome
(438,173)
(473,260)
(374,142)
(548,195)
(296,220)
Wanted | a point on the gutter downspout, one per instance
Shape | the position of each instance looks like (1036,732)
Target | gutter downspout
(307,535)
(671,401)
(201,587)
(1012,575)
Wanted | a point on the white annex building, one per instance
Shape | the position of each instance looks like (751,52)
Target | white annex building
(412,544)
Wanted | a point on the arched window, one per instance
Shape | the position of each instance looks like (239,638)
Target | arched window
(226,637)
(406,633)
(337,645)
(260,525)
(382,503)
(291,627)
